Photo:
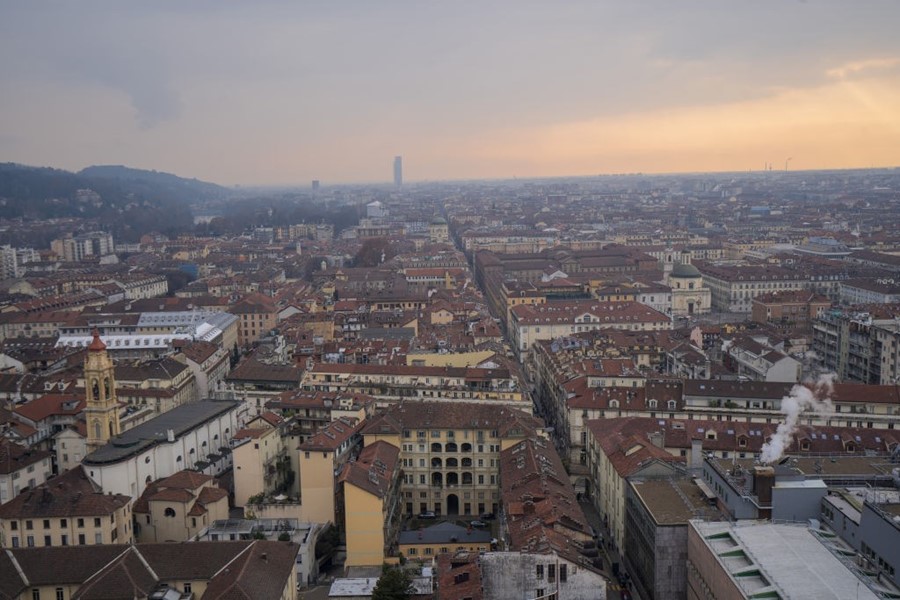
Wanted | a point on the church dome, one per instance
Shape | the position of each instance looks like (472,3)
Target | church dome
(685,271)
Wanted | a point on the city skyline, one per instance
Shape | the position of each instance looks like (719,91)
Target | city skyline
(280,95)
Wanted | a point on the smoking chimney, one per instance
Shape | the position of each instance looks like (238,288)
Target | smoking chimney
(763,482)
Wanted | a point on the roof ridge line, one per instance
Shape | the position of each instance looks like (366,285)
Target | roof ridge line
(18,567)
(234,558)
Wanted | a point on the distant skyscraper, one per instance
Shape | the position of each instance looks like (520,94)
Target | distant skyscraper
(315,184)
(398,170)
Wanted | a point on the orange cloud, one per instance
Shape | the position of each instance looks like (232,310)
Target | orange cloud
(850,122)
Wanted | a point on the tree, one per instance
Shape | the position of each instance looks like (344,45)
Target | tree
(394,584)
(371,252)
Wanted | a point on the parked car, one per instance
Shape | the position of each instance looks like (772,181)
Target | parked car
(487,516)
(428,514)
(478,524)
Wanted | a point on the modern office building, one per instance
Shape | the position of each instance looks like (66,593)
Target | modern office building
(398,170)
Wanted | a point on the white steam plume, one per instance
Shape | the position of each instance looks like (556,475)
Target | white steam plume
(815,397)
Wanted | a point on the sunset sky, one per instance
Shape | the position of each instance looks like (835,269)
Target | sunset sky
(285,92)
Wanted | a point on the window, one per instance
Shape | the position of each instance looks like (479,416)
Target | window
(563,574)
(81,522)
(60,594)
(96,521)
(29,525)
(81,540)
(47,541)
(187,587)
(14,525)
(30,541)
(64,540)
(539,572)
(35,594)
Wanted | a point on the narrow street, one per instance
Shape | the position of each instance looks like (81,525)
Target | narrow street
(609,556)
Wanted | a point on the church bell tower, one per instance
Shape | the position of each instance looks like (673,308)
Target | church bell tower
(102,410)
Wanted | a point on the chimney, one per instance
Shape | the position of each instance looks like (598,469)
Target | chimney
(697,453)
(528,507)
(658,438)
(264,556)
(763,482)
(170,436)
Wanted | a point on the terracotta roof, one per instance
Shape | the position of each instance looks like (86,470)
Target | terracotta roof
(331,436)
(184,479)
(51,405)
(126,577)
(14,457)
(374,468)
(251,369)
(257,570)
(261,573)
(459,576)
(71,494)
(626,453)
(96,344)
(535,485)
(447,415)
(199,351)
(171,495)
(250,433)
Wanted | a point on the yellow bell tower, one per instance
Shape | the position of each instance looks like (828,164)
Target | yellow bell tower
(102,410)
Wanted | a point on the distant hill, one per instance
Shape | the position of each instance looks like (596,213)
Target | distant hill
(193,189)
(128,202)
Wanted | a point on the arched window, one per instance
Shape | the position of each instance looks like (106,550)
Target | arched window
(169,512)
(98,430)
(178,460)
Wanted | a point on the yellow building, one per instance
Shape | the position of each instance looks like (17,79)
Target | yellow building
(321,459)
(177,508)
(70,510)
(261,463)
(450,452)
(372,510)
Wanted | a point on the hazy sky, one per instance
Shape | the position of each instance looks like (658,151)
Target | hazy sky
(284,92)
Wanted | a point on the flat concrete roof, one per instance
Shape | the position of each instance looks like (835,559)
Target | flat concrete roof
(445,533)
(673,501)
(180,420)
(790,559)
(363,586)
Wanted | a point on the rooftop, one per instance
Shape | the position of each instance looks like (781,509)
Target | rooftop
(180,420)
(790,561)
